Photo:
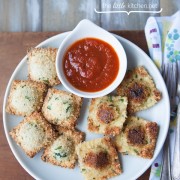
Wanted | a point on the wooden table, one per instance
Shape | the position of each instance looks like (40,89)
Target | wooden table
(13,48)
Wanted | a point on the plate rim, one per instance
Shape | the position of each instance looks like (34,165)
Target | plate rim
(29,171)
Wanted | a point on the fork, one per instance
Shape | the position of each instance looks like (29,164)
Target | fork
(170,74)
(176,159)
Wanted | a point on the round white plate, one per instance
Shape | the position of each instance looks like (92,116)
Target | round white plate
(132,166)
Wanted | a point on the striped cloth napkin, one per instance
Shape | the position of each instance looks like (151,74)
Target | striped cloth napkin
(163,39)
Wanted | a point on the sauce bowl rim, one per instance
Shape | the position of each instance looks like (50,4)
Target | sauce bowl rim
(87,29)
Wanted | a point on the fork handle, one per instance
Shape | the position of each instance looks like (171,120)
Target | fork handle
(166,168)
(176,159)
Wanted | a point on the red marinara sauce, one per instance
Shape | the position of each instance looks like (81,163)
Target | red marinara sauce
(90,64)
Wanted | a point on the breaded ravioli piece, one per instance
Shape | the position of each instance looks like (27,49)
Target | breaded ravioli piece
(62,151)
(138,137)
(61,108)
(98,159)
(33,134)
(41,65)
(25,97)
(140,89)
(107,115)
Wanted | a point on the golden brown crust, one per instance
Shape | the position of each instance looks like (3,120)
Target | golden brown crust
(138,137)
(112,131)
(141,71)
(77,135)
(91,127)
(51,115)
(98,159)
(107,114)
(140,89)
(137,93)
(147,152)
(39,57)
(72,138)
(135,135)
(157,95)
(38,93)
(114,154)
(35,119)
(152,129)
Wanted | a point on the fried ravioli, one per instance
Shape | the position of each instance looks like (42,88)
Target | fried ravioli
(62,151)
(33,134)
(140,89)
(98,159)
(62,108)
(137,138)
(107,114)
(25,97)
(41,65)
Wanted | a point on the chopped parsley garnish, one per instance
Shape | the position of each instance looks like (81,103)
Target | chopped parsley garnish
(61,154)
(65,102)
(136,151)
(110,98)
(49,107)
(69,139)
(125,153)
(31,124)
(58,147)
(46,81)
(27,97)
(23,86)
(68,108)
(122,100)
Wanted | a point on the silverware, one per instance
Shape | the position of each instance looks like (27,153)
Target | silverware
(170,74)
(176,159)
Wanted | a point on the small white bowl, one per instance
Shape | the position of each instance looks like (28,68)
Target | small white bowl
(87,29)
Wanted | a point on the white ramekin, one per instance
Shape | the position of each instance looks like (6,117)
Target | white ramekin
(87,29)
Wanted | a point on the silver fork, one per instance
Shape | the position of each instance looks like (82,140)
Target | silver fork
(176,159)
(170,74)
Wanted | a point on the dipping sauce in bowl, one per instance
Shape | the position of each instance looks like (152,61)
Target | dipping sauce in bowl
(90,64)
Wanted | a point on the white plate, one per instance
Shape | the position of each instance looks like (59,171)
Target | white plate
(133,167)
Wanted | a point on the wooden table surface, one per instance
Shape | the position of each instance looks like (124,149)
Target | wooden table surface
(13,48)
